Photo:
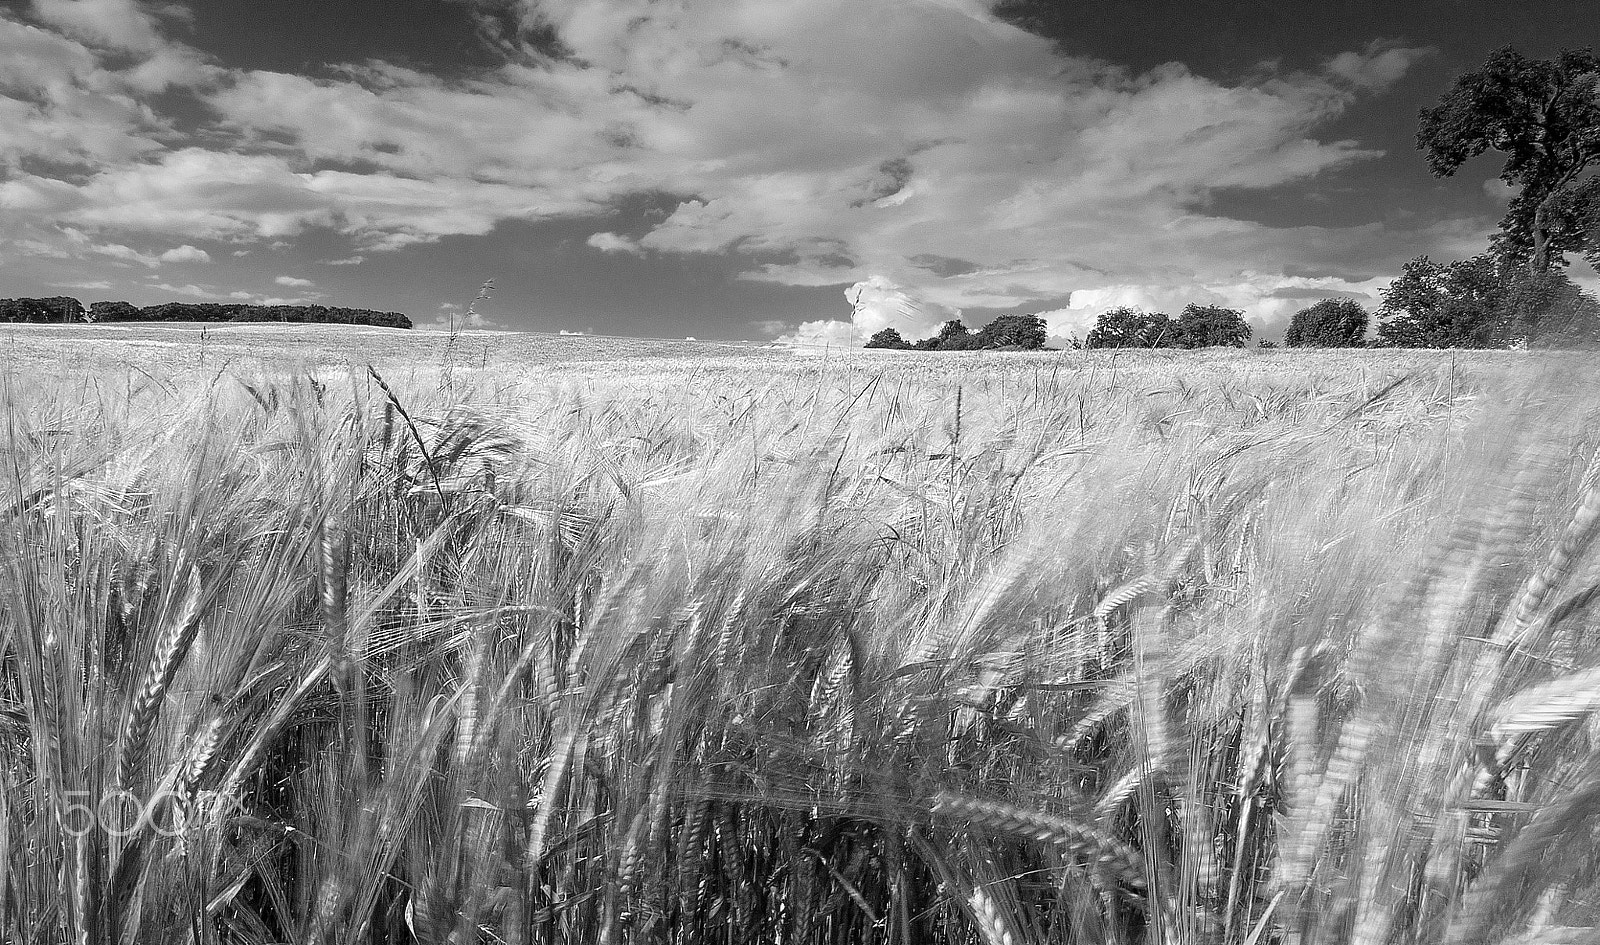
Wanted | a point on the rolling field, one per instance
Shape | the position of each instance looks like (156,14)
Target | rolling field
(573,640)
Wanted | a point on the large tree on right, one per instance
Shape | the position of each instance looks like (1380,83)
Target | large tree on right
(1544,115)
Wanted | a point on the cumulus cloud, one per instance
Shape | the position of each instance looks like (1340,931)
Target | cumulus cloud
(614,243)
(875,304)
(185,254)
(959,162)
(823,335)
(293,282)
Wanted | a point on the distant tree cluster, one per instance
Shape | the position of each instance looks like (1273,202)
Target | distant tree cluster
(1200,326)
(68,310)
(1330,323)
(1006,333)
(1488,301)
(55,309)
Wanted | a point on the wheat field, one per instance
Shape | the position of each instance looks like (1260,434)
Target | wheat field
(1241,647)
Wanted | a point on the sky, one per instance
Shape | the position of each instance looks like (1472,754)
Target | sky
(799,170)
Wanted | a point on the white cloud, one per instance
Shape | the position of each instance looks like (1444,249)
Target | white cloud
(34,247)
(294,282)
(1377,67)
(347,261)
(875,304)
(822,335)
(614,243)
(960,136)
(127,254)
(189,289)
(451,316)
(185,253)
(253,298)
(960,161)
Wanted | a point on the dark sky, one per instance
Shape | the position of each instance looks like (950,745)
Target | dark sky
(740,169)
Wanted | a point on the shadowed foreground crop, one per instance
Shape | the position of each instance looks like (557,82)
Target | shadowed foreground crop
(1084,655)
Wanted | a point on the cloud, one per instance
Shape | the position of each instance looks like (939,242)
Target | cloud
(1379,66)
(822,335)
(1499,191)
(127,254)
(294,282)
(961,138)
(614,243)
(452,317)
(185,253)
(962,163)
(347,261)
(190,289)
(875,304)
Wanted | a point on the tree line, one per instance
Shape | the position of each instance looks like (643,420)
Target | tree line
(1488,301)
(1006,333)
(66,310)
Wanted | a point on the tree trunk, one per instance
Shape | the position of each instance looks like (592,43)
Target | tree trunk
(1539,262)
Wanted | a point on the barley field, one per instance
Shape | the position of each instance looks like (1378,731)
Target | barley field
(685,644)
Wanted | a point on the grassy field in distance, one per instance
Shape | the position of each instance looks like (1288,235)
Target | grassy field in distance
(581,640)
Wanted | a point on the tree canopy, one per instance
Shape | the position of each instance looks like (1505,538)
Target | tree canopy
(1330,323)
(1544,115)
(1487,301)
(1459,305)
(1206,326)
(953,336)
(1027,332)
(887,338)
(1126,327)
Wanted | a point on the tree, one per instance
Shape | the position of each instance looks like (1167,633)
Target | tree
(1330,323)
(1205,326)
(1126,327)
(953,336)
(1549,311)
(1014,331)
(1461,305)
(1544,115)
(888,338)
(58,308)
